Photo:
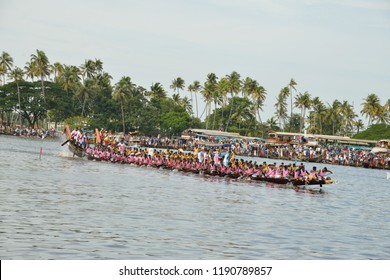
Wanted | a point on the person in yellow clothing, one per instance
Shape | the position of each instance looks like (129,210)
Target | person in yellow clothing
(232,157)
(196,152)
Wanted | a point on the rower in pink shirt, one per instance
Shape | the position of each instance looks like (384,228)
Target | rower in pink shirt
(285,172)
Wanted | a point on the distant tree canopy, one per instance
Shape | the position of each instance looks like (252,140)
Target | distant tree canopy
(374,132)
(42,92)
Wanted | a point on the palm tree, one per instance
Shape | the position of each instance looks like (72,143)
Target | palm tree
(333,114)
(248,86)
(223,89)
(57,69)
(208,92)
(191,90)
(348,116)
(291,86)
(29,70)
(281,105)
(243,111)
(157,91)
(272,124)
(382,115)
(217,98)
(195,88)
(176,98)
(359,125)
(234,88)
(318,110)
(103,80)
(177,84)
(6,63)
(88,69)
(42,67)
(85,92)
(186,104)
(98,66)
(251,88)
(17,75)
(371,105)
(122,93)
(69,78)
(303,102)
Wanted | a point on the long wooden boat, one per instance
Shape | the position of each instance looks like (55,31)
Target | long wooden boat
(295,182)
(76,150)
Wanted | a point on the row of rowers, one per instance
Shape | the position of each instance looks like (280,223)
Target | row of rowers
(210,163)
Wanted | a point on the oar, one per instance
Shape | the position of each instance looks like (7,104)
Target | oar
(65,142)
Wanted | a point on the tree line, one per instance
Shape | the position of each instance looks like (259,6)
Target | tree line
(85,96)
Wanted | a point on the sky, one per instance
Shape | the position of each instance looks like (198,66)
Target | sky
(333,49)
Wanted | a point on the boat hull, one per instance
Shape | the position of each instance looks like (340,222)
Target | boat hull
(75,150)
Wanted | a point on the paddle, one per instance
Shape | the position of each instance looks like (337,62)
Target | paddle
(65,142)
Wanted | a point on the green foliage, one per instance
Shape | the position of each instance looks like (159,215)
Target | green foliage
(294,124)
(78,122)
(374,132)
(232,102)
(173,123)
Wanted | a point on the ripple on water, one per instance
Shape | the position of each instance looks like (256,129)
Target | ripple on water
(62,207)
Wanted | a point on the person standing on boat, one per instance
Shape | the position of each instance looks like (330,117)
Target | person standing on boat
(121,147)
(216,157)
(226,159)
(200,156)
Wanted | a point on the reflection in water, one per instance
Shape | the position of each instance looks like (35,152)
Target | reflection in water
(62,207)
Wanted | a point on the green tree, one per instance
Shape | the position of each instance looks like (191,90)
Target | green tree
(85,92)
(371,106)
(69,78)
(242,111)
(17,75)
(319,111)
(272,124)
(122,93)
(195,87)
(257,93)
(57,69)
(88,69)
(234,88)
(177,84)
(348,116)
(29,70)
(98,66)
(41,67)
(208,92)
(303,101)
(291,87)
(176,98)
(33,107)
(223,89)
(294,123)
(333,117)
(281,106)
(359,125)
(157,91)
(6,63)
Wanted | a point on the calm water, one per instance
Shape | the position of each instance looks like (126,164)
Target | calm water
(61,207)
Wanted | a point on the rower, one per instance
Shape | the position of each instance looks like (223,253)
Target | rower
(323,172)
(313,174)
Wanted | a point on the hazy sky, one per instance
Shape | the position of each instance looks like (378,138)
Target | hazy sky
(332,49)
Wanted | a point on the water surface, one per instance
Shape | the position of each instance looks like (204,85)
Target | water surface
(62,207)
